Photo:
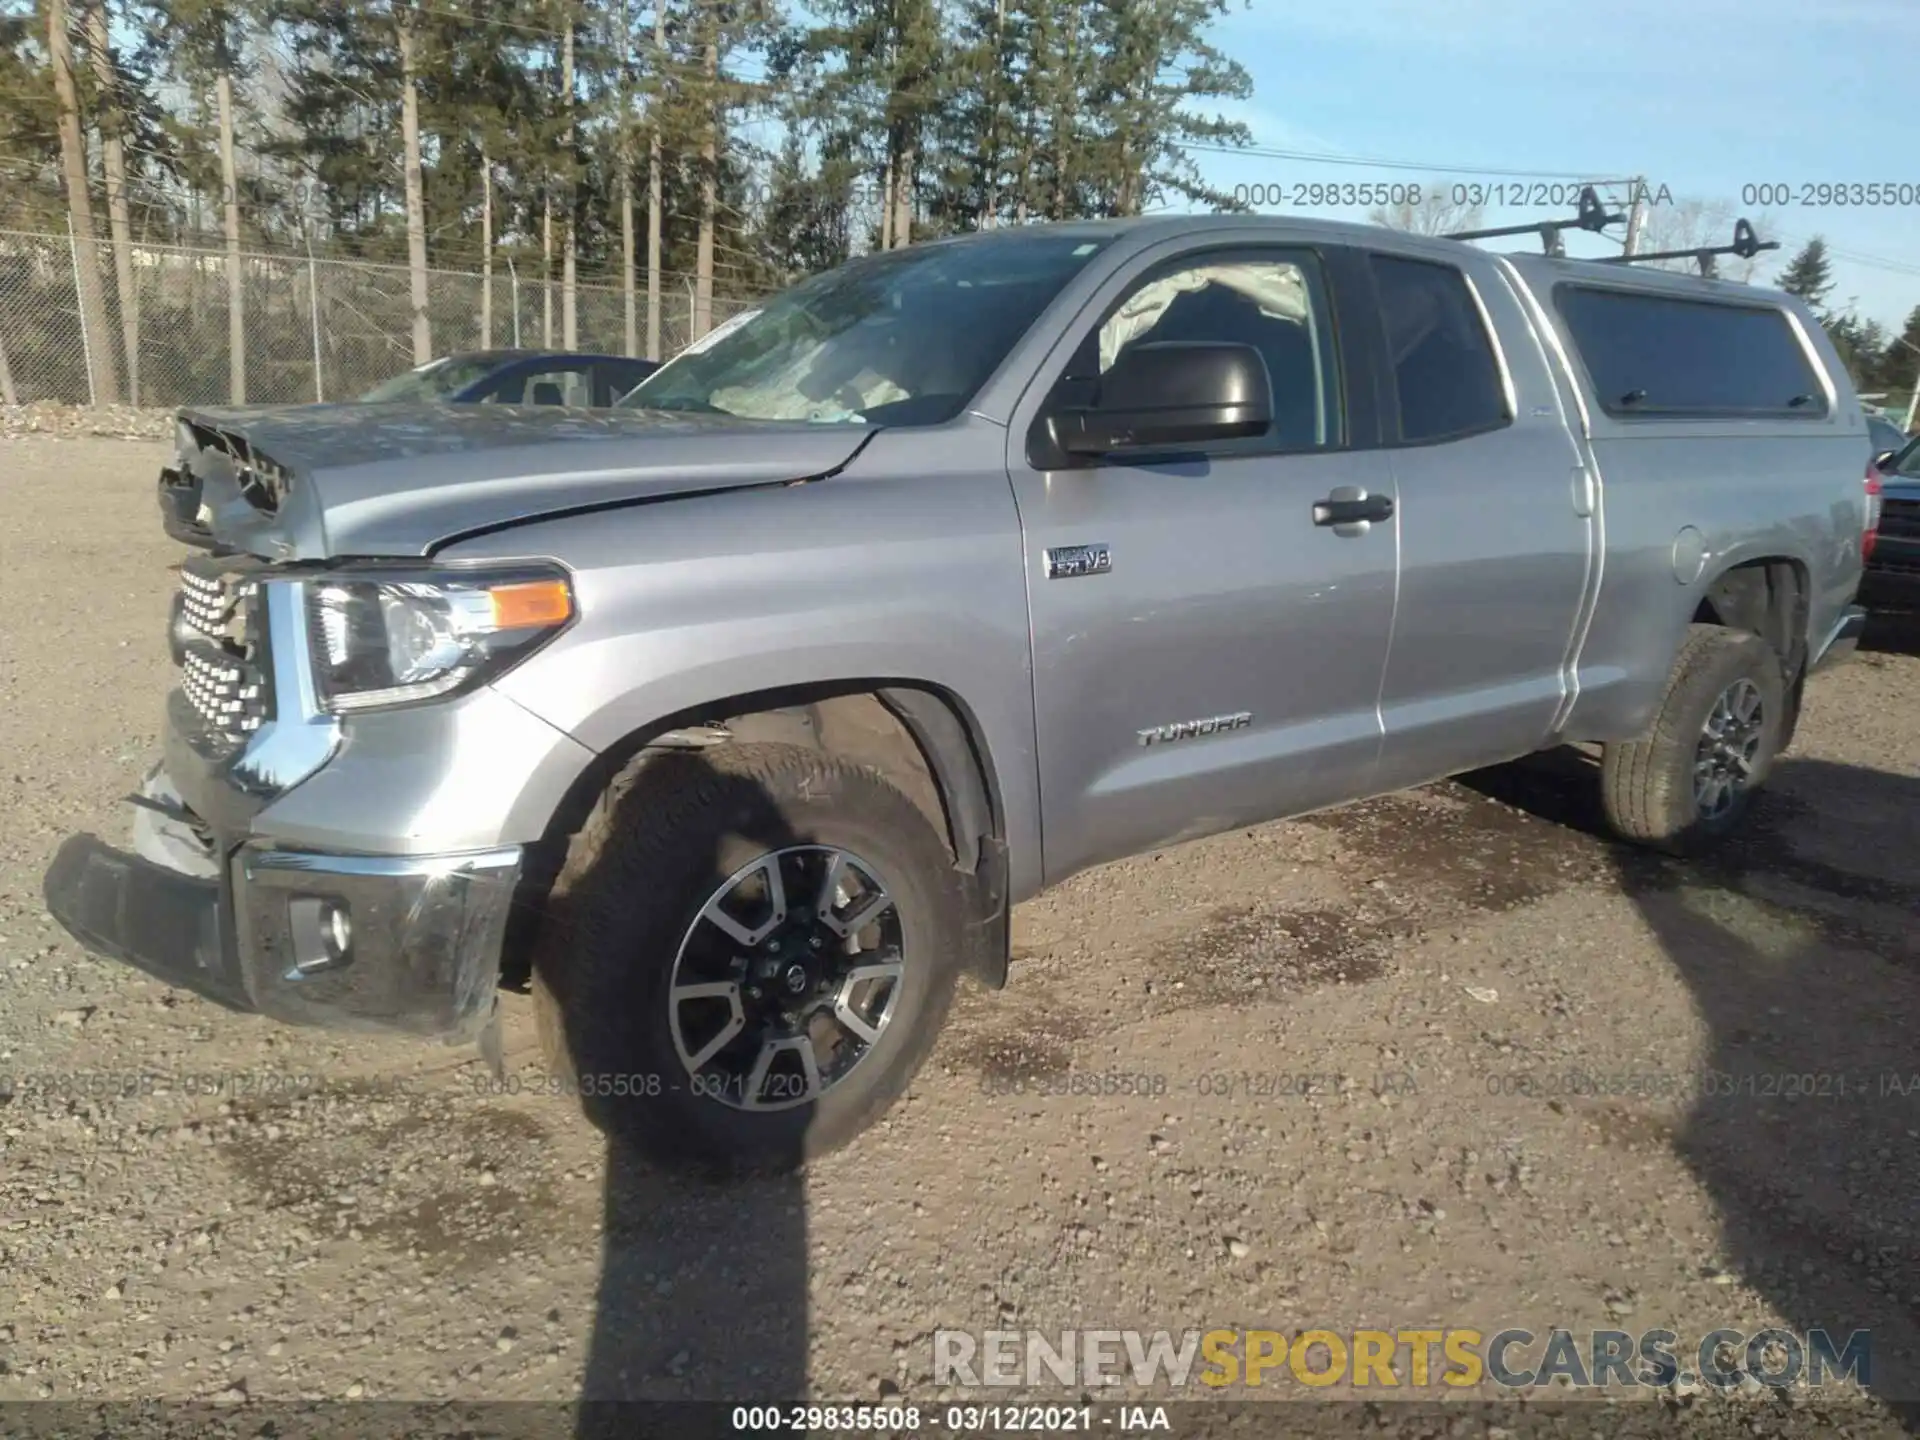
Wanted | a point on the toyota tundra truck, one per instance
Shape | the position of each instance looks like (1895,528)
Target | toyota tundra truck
(733,721)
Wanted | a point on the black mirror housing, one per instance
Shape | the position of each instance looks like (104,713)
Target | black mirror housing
(1172,392)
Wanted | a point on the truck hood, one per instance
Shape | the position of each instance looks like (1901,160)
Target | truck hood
(313,482)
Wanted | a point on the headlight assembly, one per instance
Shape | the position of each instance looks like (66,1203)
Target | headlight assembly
(380,640)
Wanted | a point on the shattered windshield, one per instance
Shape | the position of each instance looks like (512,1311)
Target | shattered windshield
(901,338)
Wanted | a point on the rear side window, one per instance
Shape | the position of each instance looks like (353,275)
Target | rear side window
(1444,372)
(1655,355)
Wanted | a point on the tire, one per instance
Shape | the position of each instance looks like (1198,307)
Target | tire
(635,889)
(1647,785)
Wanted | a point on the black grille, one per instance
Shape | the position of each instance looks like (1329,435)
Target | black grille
(1900,518)
(220,643)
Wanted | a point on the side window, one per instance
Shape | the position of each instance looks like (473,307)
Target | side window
(547,387)
(1276,303)
(1444,372)
(1655,354)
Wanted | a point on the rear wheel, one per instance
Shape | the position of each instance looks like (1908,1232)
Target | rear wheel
(749,954)
(1689,781)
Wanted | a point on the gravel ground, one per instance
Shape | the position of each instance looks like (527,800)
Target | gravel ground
(401,1230)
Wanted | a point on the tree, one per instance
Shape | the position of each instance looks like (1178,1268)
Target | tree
(1809,275)
(110,105)
(103,376)
(1863,348)
(1902,370)
(1695,225)
(1436,212)
(1150,64)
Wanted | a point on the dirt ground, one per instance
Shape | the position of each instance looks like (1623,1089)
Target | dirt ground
(1446,960)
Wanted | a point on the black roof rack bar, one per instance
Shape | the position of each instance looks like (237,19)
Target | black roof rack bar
(1592,216)
(1745,244)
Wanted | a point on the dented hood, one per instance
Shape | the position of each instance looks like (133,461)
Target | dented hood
(317,482)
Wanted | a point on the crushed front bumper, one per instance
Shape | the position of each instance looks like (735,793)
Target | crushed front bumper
(358,942)
(179,495)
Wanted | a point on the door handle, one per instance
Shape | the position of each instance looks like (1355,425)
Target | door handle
(1350,505)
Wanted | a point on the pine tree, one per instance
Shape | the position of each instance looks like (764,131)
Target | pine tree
(1809,275)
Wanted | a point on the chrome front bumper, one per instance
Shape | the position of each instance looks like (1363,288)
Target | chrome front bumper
(357,942)
(356,881)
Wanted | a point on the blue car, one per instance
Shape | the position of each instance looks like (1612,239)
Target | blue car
(516,377)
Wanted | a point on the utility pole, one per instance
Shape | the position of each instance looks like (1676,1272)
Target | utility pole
(1636,214)
(1913,400)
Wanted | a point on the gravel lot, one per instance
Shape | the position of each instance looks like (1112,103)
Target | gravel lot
(399,1231)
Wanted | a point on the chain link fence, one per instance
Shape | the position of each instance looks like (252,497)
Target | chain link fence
(310,328)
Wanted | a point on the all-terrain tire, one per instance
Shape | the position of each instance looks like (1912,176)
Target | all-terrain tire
(1647,784)
(669,830)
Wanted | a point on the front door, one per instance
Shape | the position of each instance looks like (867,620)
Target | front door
(1207,650)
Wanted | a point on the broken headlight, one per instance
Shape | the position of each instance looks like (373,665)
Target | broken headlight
(381,640)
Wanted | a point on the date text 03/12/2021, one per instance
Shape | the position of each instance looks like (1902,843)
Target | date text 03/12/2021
(896,1418)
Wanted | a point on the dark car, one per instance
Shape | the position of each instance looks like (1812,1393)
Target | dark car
(475,377)
(516,377)
(1892,580)
(1885,435)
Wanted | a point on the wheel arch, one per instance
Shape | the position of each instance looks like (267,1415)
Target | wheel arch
(922,737)
(1770,596)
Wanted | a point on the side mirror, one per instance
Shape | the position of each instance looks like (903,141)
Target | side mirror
(1172,392)
(1884,460)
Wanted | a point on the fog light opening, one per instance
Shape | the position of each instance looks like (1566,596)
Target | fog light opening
(322,934)
(336,931)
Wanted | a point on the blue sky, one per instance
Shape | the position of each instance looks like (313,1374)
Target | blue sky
(1701,96)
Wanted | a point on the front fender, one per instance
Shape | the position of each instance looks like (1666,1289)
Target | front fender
(868,580)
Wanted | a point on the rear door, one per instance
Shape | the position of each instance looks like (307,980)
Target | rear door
(1496,522)
(1205,654)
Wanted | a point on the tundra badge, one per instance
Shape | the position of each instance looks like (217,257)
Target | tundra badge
(1187,729)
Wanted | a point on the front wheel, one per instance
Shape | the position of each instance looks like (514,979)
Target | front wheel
(1687,784)
(748,955)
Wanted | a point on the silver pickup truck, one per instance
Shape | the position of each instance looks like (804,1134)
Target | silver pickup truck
(734,720)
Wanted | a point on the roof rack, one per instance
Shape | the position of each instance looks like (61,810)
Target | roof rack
(1745,244)
(1592,216)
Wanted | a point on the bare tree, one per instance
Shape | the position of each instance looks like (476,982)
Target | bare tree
(486,246)
(73,160)
(655,104)
(416,196)
(113,158)
(1436,212)
(569,277)
(236,273)
(7,394)
(702,320)
(1696,224)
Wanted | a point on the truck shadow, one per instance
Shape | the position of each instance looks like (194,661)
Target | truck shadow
(702,1287)
(1799,947)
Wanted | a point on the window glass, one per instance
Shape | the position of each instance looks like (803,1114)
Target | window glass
(1277,306)
(901,337)
(1653,354)
(548,387)
(434,380)
(1444,371)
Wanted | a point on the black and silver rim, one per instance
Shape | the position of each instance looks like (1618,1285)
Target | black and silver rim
(1729,742)
(787,978)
